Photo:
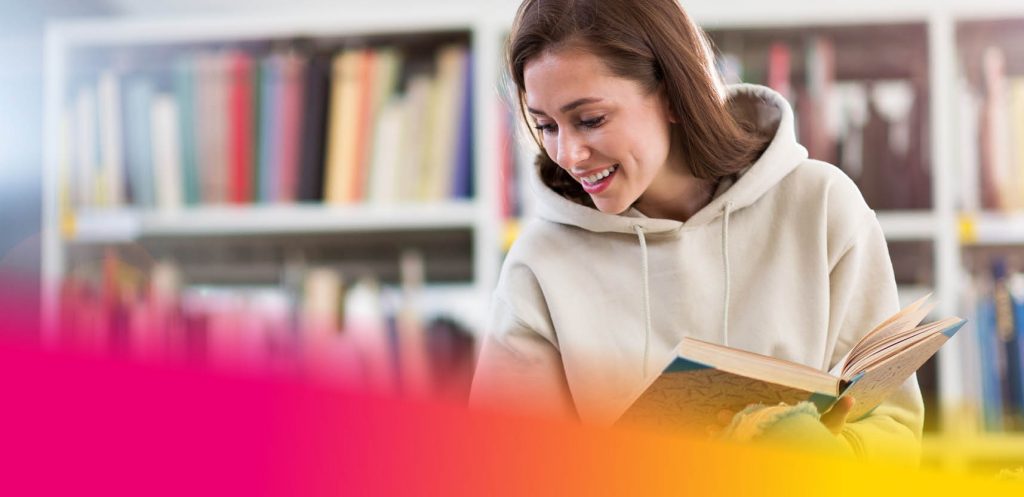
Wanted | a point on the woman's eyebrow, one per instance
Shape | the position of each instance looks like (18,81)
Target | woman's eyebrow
(567,107)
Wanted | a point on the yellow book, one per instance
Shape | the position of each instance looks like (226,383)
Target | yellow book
(342,131)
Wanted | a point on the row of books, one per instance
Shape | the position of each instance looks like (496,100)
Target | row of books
(873,126)
(990,116)
(390,341)
(368,124)
(994,351)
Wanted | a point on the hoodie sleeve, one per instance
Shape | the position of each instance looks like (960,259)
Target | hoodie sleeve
(862,294)
(519,368)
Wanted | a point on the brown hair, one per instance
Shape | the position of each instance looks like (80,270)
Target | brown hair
(656,44)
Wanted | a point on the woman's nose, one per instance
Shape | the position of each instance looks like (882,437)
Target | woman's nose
(572,149)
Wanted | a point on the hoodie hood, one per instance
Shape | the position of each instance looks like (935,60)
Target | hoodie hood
(761,105)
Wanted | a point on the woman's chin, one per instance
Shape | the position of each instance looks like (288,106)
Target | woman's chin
(609,206)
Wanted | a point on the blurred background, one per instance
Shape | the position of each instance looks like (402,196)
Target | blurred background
(327,188)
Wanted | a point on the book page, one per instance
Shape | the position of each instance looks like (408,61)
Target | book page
(881,380)
(906,319)
(885,349)
(767,368)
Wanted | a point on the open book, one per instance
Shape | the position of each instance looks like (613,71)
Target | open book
(705,378)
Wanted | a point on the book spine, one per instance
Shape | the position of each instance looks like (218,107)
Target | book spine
(239,127)
(314,123)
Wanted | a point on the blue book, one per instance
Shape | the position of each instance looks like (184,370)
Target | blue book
(705,378)
(185,93)
(462,187)
(269,137)
(138,141)
(1015,348)
(991,377)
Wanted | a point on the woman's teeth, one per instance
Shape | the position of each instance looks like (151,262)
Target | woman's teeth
(594,178)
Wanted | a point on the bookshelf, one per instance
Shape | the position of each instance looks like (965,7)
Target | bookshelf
(473,226)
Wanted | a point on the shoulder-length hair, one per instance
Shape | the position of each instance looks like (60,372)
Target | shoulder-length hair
(656,44)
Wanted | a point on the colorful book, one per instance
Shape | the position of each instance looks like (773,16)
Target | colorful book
(462,179)
(138,141)
(87,161)
(1016,189)
(442,131)
(185,92)
(111,140)
(211,126)
(314,123)
(239,127)
(269,137)
(342,129)
(705,379)
(166,152)
(293,68)
(414,138)
(387,152)
(993,370)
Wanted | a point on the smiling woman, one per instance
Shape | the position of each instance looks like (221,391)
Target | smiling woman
(671,206)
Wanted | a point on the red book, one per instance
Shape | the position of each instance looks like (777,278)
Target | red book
(240,128)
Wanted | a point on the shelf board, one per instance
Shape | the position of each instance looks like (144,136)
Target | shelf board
(1008,446)
(992,228)
(908,225)
(126,225)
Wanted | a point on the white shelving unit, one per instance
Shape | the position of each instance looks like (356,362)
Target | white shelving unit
(487,22)
(129,225)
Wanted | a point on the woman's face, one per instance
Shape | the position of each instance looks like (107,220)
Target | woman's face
(611,136)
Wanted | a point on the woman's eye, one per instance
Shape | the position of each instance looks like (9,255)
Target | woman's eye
(592,123)
(545,128)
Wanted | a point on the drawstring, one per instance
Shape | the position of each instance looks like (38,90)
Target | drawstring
(725,260)
(647,298)
(727,209)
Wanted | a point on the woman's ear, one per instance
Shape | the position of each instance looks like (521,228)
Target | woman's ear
(672,117)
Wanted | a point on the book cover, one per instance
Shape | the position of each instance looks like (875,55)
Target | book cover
(706,379)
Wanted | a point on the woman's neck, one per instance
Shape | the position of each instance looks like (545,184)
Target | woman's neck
(676,196)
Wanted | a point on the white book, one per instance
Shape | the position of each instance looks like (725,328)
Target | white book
(386,65)
(968,110)
(166,152)
(86,161)
(1017,139)
(111,141)
(218,116)
(386,152)
(412,163)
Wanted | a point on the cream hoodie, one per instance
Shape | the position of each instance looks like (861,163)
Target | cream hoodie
(787,260)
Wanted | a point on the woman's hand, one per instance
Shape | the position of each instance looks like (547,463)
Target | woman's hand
(835,418)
